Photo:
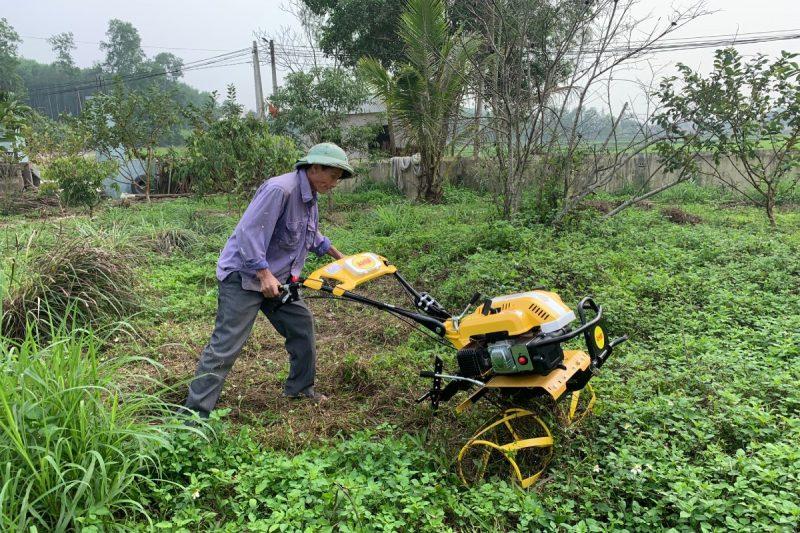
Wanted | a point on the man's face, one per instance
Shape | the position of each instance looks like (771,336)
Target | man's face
(323,179)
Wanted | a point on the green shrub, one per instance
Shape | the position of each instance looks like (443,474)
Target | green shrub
(166,241)
(231,153)
(48,188)
(80,179)
(97,284)
(74,448)
(367,195)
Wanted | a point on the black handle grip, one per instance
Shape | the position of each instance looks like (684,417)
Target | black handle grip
(427,374)
(475,298)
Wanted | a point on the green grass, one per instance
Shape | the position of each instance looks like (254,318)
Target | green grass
(75,449)
(698,415)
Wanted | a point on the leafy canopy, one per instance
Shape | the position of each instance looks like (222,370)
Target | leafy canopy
(63,44)
(123,49)
(311,105)
(9,79)
(745,112)
(427,87)
(359,28)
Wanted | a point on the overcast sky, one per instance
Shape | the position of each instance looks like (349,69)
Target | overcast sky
(174,25)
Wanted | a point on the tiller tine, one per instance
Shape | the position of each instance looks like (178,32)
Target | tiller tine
(435,394)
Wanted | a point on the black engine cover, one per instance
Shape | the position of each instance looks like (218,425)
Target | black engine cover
(546,358)
(473,361)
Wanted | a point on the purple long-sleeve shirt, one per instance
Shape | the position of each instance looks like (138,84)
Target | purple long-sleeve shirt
(276,232)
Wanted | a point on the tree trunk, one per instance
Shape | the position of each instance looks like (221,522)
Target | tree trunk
(430,190)
(453,136)
(771,206)
(147,172)
(476,146)
(390,127)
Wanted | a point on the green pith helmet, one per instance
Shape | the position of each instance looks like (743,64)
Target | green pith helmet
(329,155)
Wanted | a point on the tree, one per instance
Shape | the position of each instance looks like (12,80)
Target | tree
(230,153)
(311,105)
(549,59)
(13,117)
(80,180)
(743,112)
(63,44)
(124,55)
(358,28)
(127,124)
(9,79)
(47,139)
(169,63)
(425,92)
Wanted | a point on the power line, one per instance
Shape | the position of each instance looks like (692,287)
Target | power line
(127,79)
(219,60)
(310,53)
(142,46)
(661,46)
(734,38)
(231,54)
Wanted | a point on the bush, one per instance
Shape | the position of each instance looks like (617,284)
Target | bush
(94,283)
(231,153)
(80,179)
(236,154)
(167,241)
(74,449)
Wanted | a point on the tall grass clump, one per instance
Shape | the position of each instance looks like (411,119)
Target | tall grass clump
(167,241)
(75,449)
(96,283)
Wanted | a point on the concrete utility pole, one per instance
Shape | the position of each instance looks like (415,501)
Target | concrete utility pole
(272,62)
(257,77)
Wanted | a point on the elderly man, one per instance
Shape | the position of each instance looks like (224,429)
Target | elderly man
(267,248)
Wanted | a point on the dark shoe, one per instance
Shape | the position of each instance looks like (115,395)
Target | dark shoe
(315,397)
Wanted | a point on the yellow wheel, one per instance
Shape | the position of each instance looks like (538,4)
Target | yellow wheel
(517,443)
(580,405)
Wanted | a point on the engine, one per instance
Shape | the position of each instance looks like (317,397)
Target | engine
(518,355)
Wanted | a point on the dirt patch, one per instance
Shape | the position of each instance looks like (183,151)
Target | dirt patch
(367,382)
(599,205)
(30,204)
(679,216)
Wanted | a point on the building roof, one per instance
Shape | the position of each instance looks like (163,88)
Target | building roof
(369,107)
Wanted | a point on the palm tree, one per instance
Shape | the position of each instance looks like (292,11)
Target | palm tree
(425,90)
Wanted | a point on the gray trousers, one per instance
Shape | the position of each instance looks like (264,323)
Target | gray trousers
(237,309)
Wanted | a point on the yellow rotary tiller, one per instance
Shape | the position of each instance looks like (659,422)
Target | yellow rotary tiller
(509,348)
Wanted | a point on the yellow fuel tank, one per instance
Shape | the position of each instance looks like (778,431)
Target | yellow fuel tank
(513,314)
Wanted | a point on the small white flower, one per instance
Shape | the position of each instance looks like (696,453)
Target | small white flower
(196,494)
(636,470)
(596,468)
